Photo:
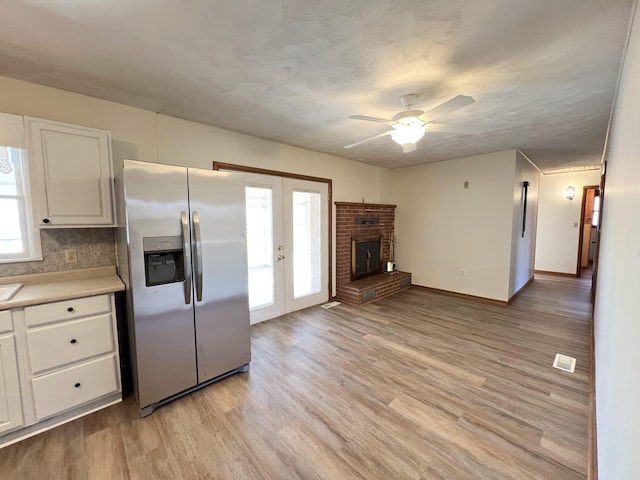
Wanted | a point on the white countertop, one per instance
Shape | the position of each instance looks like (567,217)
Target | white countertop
(51,287)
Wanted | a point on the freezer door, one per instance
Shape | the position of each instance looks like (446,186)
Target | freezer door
(220,272)
(157,209)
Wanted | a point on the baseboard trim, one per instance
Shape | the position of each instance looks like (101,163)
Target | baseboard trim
(520,290)
(461,295)
(559,274)
(592,467)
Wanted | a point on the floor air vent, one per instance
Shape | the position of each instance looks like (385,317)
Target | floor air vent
(563,362)
(330,304)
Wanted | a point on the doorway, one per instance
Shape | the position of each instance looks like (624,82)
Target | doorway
(589,221)
(288,219)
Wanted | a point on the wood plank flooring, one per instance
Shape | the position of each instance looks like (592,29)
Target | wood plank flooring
(415,386)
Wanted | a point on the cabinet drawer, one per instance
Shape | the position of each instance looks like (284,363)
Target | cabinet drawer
(66,310)
(6,325)
(64,343)
(71,387)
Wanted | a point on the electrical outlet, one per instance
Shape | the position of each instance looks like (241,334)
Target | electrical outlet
(71,255)
(463,272)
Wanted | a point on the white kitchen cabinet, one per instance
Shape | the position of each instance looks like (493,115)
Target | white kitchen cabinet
(60,362)
(10,398)
(72,174)
(72,352)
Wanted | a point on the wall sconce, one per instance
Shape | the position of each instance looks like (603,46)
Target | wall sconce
(570,192)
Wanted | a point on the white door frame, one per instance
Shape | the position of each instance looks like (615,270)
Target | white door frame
(288,175)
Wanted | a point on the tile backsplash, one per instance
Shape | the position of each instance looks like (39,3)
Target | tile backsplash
(95,247)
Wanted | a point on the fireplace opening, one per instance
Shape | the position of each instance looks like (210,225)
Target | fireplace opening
(365,256)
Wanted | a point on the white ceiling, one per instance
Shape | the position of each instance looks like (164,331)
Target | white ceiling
(543,72)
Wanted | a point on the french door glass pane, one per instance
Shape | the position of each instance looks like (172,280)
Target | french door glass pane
(307,233)
(260,246)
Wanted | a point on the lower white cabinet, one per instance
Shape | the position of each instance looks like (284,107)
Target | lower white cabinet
(59,361)
(10,398)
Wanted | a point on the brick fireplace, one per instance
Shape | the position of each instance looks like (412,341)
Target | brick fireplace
(363,222)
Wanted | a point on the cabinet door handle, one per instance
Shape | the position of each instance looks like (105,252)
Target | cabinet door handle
(71,309)
(45,220)
(78,385)
(73,341)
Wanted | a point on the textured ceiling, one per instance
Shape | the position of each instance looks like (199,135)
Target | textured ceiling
(543,72)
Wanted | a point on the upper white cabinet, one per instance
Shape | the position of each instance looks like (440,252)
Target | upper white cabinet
(72,174)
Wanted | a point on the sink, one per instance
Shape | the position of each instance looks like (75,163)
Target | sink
(8,291)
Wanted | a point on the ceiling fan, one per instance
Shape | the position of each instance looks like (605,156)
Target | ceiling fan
(410,126)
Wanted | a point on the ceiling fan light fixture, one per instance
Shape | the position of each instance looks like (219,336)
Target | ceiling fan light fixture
(404,134)
(409,126)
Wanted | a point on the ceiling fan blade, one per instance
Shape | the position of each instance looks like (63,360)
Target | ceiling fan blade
(447,107)
(409,147)
(371,119)
(368,139)
(444,128)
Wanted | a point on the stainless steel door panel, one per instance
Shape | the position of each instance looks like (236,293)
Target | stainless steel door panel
(222,316)
(165,354)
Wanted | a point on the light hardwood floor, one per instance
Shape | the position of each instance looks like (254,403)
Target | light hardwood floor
(416,386)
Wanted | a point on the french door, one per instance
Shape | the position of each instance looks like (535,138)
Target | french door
(287,244)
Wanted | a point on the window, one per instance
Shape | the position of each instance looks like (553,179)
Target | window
(596,211)
(307,243)
(260,246)
(19,240)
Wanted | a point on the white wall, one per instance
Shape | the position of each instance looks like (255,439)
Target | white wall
(441,227)
(617,308)
(181,142)
(523,248)
(559,220)
(143,135)
(133,130)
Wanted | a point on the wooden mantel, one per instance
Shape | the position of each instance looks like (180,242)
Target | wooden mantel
(362,204)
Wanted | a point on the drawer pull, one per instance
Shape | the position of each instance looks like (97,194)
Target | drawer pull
(78,385)
(71,309)
(73,341)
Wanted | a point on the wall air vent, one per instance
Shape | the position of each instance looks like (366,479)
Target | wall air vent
(368,295)
(565,363)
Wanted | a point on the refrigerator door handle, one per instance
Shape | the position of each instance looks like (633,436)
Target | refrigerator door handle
(197,254)
(186,256)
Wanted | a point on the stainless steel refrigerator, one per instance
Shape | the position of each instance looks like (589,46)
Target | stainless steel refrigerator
(182,256)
